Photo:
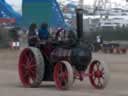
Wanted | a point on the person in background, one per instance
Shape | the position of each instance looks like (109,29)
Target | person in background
(14,44)
(33,35)
(43,32)
(99,42)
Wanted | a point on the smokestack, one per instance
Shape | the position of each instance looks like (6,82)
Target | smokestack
(79,21)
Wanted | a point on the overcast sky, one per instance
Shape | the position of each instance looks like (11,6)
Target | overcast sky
(17,3)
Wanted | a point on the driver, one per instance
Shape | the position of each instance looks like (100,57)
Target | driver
(43,32)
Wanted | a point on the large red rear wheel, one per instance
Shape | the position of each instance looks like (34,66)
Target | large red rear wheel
(31,67)
(63,75)
(99,74)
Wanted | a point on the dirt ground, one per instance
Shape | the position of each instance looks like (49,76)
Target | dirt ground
(11,86)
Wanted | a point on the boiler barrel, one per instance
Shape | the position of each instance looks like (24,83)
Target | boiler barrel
(79,57)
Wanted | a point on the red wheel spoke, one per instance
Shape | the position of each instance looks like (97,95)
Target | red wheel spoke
(32,71)
(59,83)
(95,81)
(32,75)
(93,73)
(30,55)
(27,62)
(99,82)
(26,74)
(64,76)
(94,78)
(25,56)
(32,66)
(23,66)
(30,58)
(32,61)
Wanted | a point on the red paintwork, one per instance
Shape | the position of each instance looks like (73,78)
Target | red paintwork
(27,67)
(60,76)
(97,75)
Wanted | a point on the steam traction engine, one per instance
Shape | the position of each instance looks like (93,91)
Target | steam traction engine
(62,62)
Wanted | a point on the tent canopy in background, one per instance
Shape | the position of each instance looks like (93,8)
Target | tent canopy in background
(39,11)
(6,11)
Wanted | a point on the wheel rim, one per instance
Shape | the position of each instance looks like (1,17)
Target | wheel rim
(97,73)
(61,76)
(27,68)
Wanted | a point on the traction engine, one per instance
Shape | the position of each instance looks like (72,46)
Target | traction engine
(62,62)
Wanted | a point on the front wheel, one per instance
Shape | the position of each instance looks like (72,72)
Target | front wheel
(63,75)
(99,74)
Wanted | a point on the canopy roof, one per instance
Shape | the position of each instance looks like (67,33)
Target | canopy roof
(39,11)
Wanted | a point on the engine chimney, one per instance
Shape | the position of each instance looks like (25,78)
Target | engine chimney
(79,21)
